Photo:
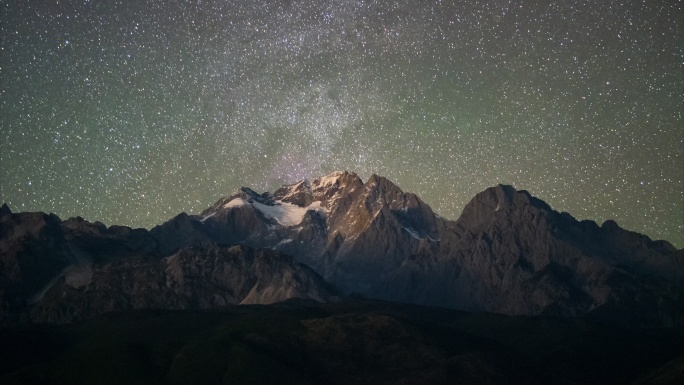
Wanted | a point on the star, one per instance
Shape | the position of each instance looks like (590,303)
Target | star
(129,114)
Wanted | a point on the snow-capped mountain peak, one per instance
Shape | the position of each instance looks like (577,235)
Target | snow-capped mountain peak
(508,252)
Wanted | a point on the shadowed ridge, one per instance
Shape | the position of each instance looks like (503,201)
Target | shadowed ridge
(5,210)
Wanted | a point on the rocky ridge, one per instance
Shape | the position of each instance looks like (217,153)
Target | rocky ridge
(509,252)
(61,271)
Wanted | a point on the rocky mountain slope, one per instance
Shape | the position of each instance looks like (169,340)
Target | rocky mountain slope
(508,253)
(64,271)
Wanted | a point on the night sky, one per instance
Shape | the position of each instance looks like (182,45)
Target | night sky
(130,112)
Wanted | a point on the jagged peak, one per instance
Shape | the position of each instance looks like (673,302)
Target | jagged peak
(299,193)
(5,210)
(505,194)
(244,193)
(329,179)
(635,239)
(610,225)
(487,203)
(336,173)
(329,188)
(250,195)
(336,178)
(382,184)
(501,196)
(303,183)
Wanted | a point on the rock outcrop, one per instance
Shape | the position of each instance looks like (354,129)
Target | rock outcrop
(509,252)
(200,276)
(61,271)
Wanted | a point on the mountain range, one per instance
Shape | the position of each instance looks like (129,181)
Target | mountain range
(336,236)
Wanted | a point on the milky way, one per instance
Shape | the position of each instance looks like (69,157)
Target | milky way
(130,112)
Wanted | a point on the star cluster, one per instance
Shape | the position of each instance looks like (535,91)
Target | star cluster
(131,112)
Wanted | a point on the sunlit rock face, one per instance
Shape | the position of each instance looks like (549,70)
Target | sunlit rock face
(509,252)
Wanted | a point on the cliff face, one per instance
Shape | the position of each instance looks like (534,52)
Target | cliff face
(351,232)
(31,254)
(201,276)
(509,253)
(54,271)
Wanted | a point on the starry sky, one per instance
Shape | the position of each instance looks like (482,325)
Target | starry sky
(129,112)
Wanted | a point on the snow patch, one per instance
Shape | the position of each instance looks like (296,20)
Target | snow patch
(41,293)
(284,241)
(318,206)
(284,213)
(412,232)
(77,274)
(237,202)
(287,214)
(204,218)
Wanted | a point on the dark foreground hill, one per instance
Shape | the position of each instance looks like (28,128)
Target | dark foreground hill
(351,342)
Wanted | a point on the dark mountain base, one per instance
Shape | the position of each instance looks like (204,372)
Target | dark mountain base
(361,342)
